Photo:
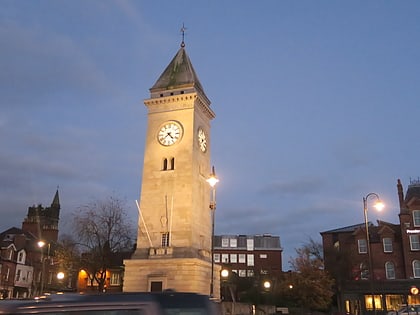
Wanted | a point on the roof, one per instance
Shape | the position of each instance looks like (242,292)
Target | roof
(179,73)
(261,241)
(346,229)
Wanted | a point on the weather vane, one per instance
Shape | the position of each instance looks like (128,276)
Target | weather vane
(183,29)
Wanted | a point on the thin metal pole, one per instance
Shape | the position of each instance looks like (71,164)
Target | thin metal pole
(370,262)
(213,210)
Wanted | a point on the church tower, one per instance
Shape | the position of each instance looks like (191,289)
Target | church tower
(175,228)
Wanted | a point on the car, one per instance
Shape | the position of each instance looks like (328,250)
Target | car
(406,310)
(143,303)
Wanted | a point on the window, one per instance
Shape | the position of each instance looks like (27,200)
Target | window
(216,258)
(225,258)
(362,245)
(172,163)
(263,256)
(18,273)
(165,239)
(250,244)
(6,275)
(156,286)
(250,273)
(364,271)
(233,258)
(233,242)
(242,259)
(115,279)
(242,273)
(389,270)
(250,259)
(165,164)
(416,268)
(225,242)
(414,242)
(387,242)
(416,217)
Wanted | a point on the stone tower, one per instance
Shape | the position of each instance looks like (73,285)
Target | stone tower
(174,228)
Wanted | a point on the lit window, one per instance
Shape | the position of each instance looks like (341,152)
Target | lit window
(387,242)
(416,217)
(225,242)
(216,258)
(115,279)
(414,242)
(416,268)
(389,270)
(263,256)
(362,245)
(250,259)
(233,258)
(233,242)
(225,258)
(242,258)
(250,244)
(242,273)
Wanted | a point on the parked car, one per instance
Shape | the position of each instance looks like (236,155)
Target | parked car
(165,303)
(406,310)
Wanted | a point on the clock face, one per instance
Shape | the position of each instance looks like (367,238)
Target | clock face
(169,133)
(202,141)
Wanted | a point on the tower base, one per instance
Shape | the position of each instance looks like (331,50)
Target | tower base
(179,274)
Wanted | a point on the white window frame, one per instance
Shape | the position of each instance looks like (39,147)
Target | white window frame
(387,243)
(216,258)
(233,258)
(414,242)
(225,258)
(242,273)
(225,242)
(250,244)
(416,268)
(263,256)
(233,242)
(250,259)
(242,258)
(416,217)
(362,246)
(390,270)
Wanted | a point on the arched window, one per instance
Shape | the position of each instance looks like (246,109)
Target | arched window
(416,268)
(165,164)
(389,270)
(172,163)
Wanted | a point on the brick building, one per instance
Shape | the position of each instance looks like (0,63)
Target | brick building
(256,256)
(26,268)
(395,259)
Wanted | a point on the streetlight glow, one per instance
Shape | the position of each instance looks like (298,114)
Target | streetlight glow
(378,206)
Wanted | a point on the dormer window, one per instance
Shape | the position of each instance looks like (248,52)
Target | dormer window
(21,257)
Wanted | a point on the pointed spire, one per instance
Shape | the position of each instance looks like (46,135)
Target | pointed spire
(183,29)
(56,201)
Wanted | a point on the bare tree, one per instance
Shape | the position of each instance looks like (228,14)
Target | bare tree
(102,229)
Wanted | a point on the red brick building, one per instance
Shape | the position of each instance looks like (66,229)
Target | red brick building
(249,256)
(395,259)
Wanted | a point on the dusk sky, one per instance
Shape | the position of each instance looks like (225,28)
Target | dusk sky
(316,102)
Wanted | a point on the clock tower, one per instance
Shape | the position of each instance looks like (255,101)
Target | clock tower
(175,226)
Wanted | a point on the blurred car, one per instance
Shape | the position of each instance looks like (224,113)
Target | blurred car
(406,310)
(165,303)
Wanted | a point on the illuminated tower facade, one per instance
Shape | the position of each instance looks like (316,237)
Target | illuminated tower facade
(174,228)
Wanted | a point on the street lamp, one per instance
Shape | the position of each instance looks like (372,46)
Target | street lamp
(41,245)
(212,180)
(379,206)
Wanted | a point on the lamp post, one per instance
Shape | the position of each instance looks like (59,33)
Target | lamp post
(212,180)
(379,206)
(41,245)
